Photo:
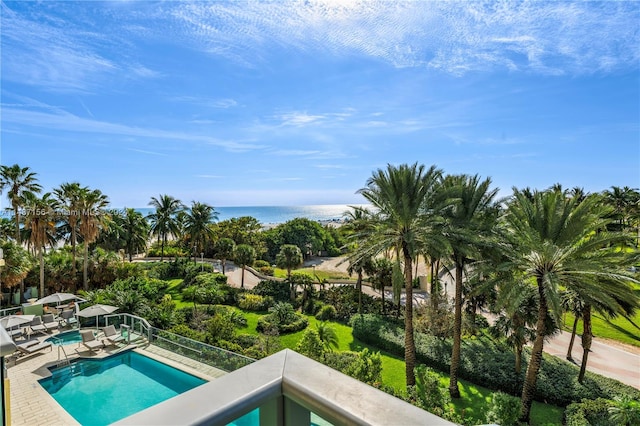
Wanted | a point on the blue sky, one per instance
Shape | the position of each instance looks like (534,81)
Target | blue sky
(288,103)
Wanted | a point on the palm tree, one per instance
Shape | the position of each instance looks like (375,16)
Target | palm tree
(224,249)
(289,257)
(401,197)
(359,221)
(197,225)
(90,204)
(558,241)
(468,221)
(328,336)
(68,195)
(163,221)
(572,302)
(135,230)
(40,221)
(16,181)
(18,263)
(244,255)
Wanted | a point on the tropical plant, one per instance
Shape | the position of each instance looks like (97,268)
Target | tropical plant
(467,221)
(224,249)
(68,196)
(18,263)
(559,242)
(573,303)
(328,336)
(40,222)
(625,411)
(164,222)
(244,255)
(197,225)
(289,257)
(17,181)
(401,197)
(91,205)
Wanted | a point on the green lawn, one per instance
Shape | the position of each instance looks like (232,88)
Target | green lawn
(620,328)
(475,399)
(323,275)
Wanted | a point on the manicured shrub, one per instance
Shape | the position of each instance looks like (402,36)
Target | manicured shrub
(284,318)
(254,302)
(327,313)
(504,409)
(310,345)
(491,364)
(279,290)
(429,394)
(588,412)
(365,365)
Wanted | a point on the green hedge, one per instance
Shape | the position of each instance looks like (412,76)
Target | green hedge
(491,364)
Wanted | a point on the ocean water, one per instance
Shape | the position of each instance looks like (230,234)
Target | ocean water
(279,214)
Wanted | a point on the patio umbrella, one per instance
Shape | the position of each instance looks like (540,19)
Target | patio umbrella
(97,310)
(56,298)
(11,321)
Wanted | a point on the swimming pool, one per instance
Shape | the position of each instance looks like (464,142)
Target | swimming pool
(98,392)
(67,338)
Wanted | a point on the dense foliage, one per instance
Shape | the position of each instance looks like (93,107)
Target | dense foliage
(491,364)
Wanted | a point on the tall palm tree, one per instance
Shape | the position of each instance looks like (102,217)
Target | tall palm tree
(40,219)
(91,205)
(224,249)
(164,222)
(68,195)
(244,255)
(198,219)
(360,221)
(135,231)
(572,302)
(289,257)
(468,221)
(16,181)
(400,196)
(558,241)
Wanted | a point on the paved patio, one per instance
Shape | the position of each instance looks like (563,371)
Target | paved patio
(31,404)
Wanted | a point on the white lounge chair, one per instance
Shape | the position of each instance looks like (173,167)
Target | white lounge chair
(37,326)
(111,335)
(32,347)
(67,317)
(89,340)
(50,322)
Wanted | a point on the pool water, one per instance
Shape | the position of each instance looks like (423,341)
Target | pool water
(100,392)
(252,418)
(67,338)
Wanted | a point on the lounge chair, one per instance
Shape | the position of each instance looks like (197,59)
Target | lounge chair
(89,340)
(67,317)
(32,347)
(37,326)
(50,322)
(111,335)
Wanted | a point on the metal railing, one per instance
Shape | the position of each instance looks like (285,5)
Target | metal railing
(213,356)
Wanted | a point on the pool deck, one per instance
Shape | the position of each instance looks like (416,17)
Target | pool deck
(31,404)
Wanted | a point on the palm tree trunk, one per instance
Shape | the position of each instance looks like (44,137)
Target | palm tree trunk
(518,351)
(529,387)
(73,246)
(41,259)
(85,276)
(454,391)
(409,342)
(16,216)
(573,338)
(359,287)
(587,337)
(242,279)
(164,238)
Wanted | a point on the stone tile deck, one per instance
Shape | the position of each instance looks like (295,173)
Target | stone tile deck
(31,404)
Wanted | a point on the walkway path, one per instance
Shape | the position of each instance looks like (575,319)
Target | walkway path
(620,363)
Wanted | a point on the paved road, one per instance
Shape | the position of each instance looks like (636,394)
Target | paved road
(604,359)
